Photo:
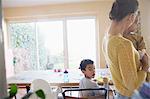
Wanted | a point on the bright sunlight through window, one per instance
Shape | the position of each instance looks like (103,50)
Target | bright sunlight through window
(55,44)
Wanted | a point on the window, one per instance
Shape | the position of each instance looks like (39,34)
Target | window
(22,36)
(55,43)
(50,44)
(81,40)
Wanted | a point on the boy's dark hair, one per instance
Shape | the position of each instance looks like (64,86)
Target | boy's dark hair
(122,8)
(84,63)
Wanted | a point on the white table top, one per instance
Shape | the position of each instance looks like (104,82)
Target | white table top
(54,78)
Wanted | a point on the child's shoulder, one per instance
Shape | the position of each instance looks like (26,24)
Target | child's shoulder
(88,82)
(136,35)
(84,79)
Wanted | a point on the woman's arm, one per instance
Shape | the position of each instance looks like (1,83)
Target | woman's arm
(127,65)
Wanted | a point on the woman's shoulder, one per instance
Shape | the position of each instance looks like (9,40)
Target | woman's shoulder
(119,40)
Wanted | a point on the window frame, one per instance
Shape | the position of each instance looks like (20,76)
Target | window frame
(65,40)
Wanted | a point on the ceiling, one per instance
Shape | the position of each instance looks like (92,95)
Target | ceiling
(22,3)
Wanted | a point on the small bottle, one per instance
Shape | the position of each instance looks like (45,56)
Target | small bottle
(66,77)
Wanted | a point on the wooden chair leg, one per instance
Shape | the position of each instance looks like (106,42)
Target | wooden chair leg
(15,97)
(27,88)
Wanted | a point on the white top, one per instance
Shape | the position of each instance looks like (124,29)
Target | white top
(87,83)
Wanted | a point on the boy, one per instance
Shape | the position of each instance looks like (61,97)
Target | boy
(139,45)
(88,69)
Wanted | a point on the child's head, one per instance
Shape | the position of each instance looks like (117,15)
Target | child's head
(88,68)
(134,26)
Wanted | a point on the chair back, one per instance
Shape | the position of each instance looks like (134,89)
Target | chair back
(45,87)
(102,96)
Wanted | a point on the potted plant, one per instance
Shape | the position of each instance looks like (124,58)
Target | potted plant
(14,89)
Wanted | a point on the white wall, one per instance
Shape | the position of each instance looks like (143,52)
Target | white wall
(2,69)
(3,91)
(145,20)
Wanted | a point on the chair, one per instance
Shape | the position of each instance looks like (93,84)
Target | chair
(44,85)
(104,96)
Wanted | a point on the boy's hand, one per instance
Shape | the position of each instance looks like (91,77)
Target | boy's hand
(146,68)
(144,61)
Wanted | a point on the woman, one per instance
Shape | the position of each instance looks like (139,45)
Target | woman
(120,54)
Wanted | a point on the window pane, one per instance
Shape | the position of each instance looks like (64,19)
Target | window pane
(81,41)
(23,44)
(50,44)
